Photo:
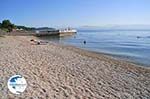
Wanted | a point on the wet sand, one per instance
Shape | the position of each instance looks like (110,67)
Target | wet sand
(55,71)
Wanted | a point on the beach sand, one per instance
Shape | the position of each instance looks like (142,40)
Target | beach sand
(55,71)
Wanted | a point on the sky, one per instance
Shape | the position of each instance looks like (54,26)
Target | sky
(62,13)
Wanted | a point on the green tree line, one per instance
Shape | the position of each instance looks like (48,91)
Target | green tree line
(7,26)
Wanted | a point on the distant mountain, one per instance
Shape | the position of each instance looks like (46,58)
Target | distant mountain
(25,28)
(45,28)
(116,27)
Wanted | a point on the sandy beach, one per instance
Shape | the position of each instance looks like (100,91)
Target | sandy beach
(55,71)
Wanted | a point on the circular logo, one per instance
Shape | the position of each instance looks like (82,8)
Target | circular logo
(17,84)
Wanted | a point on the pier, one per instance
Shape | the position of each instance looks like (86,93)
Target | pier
(64,32)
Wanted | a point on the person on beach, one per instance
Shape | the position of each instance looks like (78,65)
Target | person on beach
(35,41)
(38,42)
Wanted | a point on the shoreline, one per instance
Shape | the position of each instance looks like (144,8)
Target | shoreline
(96,54)
(136,58)
(61,71)
(103,56)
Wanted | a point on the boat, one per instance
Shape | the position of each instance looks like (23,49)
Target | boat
(67,30)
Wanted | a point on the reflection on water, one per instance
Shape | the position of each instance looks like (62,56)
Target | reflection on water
(57,39)
(51,38)
(130,45)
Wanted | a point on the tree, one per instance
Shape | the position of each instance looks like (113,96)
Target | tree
(6,24)
(0,25)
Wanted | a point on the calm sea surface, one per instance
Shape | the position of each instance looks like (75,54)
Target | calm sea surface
(132,45)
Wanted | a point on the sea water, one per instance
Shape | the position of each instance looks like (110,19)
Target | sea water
(132,45)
